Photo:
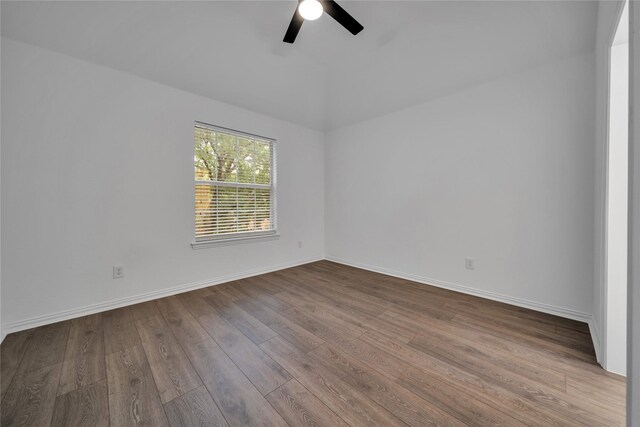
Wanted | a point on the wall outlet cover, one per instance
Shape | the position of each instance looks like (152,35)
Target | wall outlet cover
(118,271)
(469,263)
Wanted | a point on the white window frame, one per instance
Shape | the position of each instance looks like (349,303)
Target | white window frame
(245,236)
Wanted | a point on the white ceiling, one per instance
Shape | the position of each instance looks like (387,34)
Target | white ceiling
(232,51)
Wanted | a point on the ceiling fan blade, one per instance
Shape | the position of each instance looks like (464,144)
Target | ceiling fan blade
(342,16)
(294,27)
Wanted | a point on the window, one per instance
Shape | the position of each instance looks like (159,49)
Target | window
(234,185)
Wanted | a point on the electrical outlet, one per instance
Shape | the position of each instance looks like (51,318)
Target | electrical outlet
(118,271)
(469,263)
(300,244)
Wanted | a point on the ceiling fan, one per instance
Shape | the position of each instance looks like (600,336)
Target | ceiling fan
(312,9)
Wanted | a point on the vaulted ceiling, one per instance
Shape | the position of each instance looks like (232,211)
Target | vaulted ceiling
(232,51)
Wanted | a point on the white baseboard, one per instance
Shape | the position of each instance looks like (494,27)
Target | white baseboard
(520,302)
(122,302)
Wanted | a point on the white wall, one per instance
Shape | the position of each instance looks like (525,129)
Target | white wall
(608,14)
(633,349)
(2,333)
(617,188)
(502,172)
(97,170)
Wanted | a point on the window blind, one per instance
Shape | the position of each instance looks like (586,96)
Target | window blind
(234,183)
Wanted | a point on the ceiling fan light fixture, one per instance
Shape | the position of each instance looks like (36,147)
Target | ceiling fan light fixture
(313,9)
(310,9)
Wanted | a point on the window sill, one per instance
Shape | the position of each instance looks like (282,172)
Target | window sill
(233,241)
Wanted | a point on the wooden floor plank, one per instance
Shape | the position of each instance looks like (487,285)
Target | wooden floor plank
(83,407)
(405,405)
(562,403)
(265,374)
(183,325)
(12,351)
(299,407)
(347,314)
(269,301)
(31,397)
(196,408)
(327,327)
(195,303)
(265,283)
(384,362)
(491,355)
(505,331)
(144,310)
(464,406)
(478,309)
(84,360)
(231,290)
(575,343)
(597,394)
(489,394)
(293,333)
(375,292)
(240,402)
(133,397)
(331,294)
(46,347)
(542,357)
(119,330)
(171,369)
(353,407)
(251,327)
